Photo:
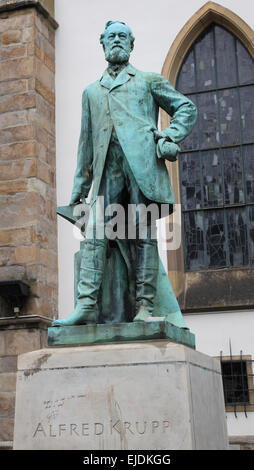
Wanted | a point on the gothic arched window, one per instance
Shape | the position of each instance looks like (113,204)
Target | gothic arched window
(217,159)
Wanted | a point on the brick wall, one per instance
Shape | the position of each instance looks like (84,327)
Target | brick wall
(28,230)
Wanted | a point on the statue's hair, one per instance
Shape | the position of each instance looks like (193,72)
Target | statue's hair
(109,23)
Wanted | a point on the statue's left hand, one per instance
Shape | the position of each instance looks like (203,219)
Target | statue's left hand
(167,150)
(158,135)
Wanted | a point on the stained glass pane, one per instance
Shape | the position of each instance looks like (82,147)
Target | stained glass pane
(215,238)
(251,233)
(192,141)
(217,168)
(209,131)
(225,57)
(248,152)
(212,178)
(186,79)
(205,61)
(247,113)
(233,176)
(230,128)
(245,64)
(191,187)
(194,240)
(237,237)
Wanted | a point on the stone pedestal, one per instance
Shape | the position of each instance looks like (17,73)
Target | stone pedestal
(18,335)
(134,395)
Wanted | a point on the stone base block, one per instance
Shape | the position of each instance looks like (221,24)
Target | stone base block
(18,335)
(154,395)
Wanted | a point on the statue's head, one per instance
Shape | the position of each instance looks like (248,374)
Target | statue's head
(118,42)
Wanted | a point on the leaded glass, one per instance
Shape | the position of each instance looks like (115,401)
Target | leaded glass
(212,178)
(187,83)
(191,186)
(237,237)
(230,128)
(245,64)
(225,57)
(205,63)
(233,176)
(208,120)
(217,159)
(251,233)
(247,112)
(248,151)
(215,238)
(194,240)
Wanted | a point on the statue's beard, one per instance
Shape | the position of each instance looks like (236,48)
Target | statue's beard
(117,55)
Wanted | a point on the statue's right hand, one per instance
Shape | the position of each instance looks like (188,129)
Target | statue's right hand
(75,199)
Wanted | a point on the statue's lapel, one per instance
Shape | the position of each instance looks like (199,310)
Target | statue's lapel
(123,77)
(106,80)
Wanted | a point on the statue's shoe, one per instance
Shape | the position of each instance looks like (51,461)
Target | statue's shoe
(80,316)
(142,316)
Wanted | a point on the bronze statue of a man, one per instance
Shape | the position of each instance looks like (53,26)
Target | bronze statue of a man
(123,154)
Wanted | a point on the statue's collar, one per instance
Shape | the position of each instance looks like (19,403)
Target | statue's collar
(123,76)
(115,69)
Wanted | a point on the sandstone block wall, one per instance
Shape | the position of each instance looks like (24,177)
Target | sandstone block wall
(28,230)
(23,336)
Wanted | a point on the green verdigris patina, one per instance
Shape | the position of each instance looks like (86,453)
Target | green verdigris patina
(123,154)
(138,331)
